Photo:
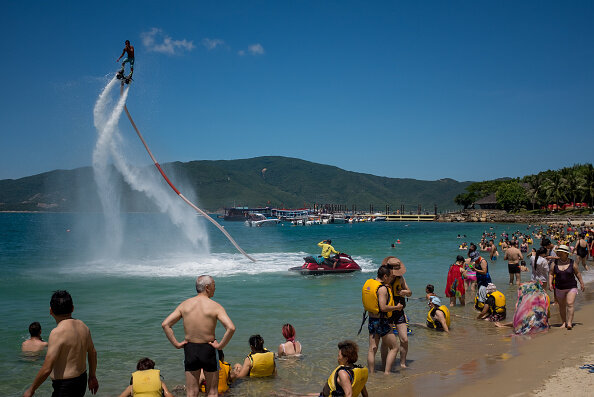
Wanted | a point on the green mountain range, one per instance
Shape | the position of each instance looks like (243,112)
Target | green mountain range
(262,181)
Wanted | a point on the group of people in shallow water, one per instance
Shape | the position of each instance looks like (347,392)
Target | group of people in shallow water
(384,299)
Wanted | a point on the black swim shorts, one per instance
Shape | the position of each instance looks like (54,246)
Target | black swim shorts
(398,317)
(379,326)
(72,387)
(513,268)
(200,356)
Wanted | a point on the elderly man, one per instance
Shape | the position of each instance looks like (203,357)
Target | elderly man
(200,315)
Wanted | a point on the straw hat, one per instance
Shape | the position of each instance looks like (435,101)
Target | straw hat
(563,248)
(398,268)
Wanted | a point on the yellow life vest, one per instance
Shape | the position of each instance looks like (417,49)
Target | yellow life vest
(262,364)
(499,302)
(437,324)
(146,383)
(478,305)
(358,376)
(370,297)
(224,377)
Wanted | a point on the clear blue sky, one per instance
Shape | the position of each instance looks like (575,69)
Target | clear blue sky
(469,90)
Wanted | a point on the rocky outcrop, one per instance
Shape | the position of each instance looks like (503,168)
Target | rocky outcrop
(501,216)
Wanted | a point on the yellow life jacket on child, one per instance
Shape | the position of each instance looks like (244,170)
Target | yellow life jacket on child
(262,364)
(357,374)
(499,302)
(370,298)
(224,378)
(146,383)
(436,324)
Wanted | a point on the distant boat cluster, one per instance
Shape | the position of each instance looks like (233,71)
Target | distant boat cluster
(267,216)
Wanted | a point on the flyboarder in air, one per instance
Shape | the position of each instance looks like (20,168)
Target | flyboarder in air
(129,50)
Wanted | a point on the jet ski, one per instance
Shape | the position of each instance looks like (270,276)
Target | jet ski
(316,266)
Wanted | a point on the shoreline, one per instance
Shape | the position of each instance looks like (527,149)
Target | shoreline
(545,364)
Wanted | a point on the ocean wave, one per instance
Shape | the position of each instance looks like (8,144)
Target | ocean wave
(216,264)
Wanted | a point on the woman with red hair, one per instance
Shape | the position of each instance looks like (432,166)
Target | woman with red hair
(290,347)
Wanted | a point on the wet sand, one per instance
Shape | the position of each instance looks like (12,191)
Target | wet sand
(546,364)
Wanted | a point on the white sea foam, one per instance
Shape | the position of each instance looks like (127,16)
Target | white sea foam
(220,265)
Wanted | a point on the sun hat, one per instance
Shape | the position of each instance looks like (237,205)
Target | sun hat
(435,300)
(491,288)
(563,248)
(395,264)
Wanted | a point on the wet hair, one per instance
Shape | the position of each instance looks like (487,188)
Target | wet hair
(459,258)
(328,241)
(61,303)
(257,343)
(349,350)
(127,42)
(35,329)
(145,363)
(545,242)
(383,271)
(202,282)
(523,263)
(221,355)
(289,332)
(430,288)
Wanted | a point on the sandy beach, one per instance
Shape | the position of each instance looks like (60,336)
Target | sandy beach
(546,364)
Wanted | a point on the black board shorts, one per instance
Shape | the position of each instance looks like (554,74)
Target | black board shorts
(513,268)
(200,356)
(73,387)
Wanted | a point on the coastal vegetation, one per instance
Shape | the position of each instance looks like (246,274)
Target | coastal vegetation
(549,190)
(261,181)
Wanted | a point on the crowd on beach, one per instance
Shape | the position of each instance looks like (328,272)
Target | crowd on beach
(70,346)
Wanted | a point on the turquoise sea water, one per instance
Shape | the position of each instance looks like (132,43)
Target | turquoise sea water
(124,296)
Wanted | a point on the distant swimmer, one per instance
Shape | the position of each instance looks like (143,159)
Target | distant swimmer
(129,51)
(70,346)
(34,343)
(200,315)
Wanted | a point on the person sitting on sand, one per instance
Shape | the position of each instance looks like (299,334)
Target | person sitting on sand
(224,375)
(429,291)
(438,316)
(34,343)
(494,307)
(146,381)
(290,347)
(258,364)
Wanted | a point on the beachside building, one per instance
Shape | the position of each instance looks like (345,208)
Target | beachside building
(486,203)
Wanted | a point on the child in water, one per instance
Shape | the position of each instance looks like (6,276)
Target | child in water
(429,291)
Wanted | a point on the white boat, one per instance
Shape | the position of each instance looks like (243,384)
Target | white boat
(259,220)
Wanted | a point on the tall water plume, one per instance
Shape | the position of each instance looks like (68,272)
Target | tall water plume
(110,164)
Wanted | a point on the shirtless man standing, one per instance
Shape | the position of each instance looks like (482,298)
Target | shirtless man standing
(34,343)
(70,344)
(200,315)
(129,50)
(513,256)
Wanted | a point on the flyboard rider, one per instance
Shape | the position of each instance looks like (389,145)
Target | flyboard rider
(129,51)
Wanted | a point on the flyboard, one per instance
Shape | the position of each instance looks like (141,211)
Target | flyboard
(127,80)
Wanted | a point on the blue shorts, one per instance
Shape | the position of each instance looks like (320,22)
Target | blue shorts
(131,60)
(379,326)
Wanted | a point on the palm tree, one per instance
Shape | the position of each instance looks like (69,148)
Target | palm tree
(554,188)
(535,190)
(587,172)
(573,182)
